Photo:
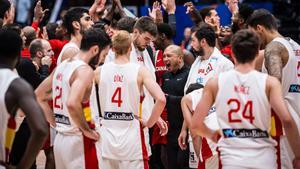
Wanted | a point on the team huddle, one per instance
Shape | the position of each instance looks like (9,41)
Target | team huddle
(103,97)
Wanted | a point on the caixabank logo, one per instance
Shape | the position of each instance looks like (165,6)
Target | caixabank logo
(294,88)
(245,133)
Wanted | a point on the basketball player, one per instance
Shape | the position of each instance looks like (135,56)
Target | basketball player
(209,63)
(76,21)
(243,109)
(16,93)
(208,155)
(71,85)
(120,83)
(279,61)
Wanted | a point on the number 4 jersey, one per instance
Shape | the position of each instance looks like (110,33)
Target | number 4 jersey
(244,116)
(122,137)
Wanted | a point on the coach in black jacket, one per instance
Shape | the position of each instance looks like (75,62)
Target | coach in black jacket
(173,86)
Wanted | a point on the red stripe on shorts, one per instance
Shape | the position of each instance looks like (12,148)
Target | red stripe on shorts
(90,153)
(219,156)
(144,148)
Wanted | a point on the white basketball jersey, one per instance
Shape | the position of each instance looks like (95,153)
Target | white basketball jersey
(202,70)
(6,77)
(60,92)
(210,121)
(122,137)
(69,45)
(244,116)
(293,95)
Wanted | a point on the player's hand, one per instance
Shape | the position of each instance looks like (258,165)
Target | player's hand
(215,136)
(182,140)
(92,134)
(296,163)
(162,126)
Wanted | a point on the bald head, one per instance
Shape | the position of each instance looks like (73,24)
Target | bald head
(173,58)
(30,35)
(40,47)
(174,49)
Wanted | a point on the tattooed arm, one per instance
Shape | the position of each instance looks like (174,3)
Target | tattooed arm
(276,56)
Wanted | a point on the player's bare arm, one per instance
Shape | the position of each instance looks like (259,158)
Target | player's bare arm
(275,56)
(44,95)
(21,94)
(198,126)
(146,79)
(279,106)
(186,107)
(80,83)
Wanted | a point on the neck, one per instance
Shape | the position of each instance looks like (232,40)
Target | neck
(37,61)
(245,67)
(76,38)
(122,59)
(272,35)
(179,67)
(84,56)
(207,53)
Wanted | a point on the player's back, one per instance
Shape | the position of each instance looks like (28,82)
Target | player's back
(244,117)
(6,77)
(60,92)
(119,99)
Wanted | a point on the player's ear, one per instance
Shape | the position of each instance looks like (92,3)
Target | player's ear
(95,49)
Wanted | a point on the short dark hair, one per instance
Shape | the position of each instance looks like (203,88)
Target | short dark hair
(146,24)
(164,28)
(206,11)
(4,7)
(14,27)
(245,12)
(193,86)
(11,45)
(207,32)
(245,45)
(126,24)
(35,46)
(51,29)
(73,14)
(262,17)
(94,36)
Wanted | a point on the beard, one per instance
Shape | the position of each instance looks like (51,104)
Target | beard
(94,61)
(199,52)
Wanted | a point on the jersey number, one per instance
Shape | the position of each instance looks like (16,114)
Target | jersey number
(58,98)
(116,98)
(246,113)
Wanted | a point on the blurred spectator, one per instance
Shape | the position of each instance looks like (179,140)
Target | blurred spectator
(23,9)
(185,44)
(7,12)
(30,34)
